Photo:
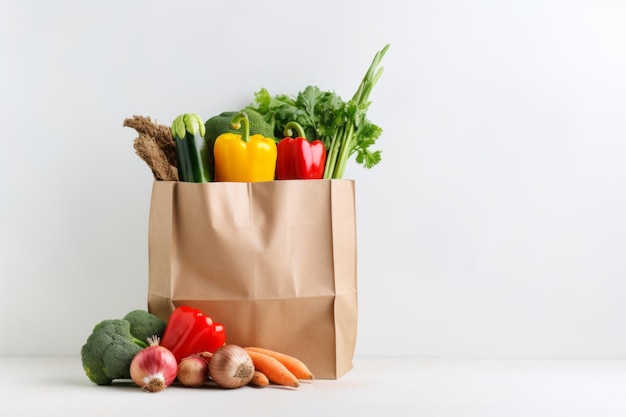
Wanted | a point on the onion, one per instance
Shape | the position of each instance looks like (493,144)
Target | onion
(192,371)
(231,367)
(153,368)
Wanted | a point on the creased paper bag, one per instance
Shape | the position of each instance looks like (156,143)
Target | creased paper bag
(275,262)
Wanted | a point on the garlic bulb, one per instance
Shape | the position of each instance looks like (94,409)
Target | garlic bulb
(231,367)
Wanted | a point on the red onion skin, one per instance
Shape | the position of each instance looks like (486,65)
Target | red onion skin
(154,368)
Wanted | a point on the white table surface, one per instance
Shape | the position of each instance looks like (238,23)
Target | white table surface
(57,386)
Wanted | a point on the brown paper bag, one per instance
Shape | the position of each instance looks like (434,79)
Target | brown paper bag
(275,262)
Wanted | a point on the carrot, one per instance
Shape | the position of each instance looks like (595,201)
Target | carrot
(259,380)
(295,366)
(275,371)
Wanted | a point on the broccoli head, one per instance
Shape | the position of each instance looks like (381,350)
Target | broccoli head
(220,123)
(144,325)
(109,350)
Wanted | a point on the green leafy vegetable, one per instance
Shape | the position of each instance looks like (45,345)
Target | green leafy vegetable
(342,126)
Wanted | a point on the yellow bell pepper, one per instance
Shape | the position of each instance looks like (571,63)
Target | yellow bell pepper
(244,158)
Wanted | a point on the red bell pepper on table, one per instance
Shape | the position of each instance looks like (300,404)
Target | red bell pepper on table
(189,331)
(297,157)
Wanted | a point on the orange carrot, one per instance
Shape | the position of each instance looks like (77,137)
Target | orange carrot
(295,366)
(275,371)
(259,380)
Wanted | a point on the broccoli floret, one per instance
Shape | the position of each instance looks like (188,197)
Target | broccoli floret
(144,325)
(109,350)
(219,124)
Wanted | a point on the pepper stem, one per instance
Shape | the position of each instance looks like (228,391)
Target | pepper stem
(289,127)
(241,121)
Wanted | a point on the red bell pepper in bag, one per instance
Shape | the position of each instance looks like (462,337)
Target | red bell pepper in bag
(298,158)
(189,331)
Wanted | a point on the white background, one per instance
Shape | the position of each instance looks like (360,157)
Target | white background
(494,226)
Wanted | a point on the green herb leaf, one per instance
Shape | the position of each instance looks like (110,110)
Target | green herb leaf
(342,126)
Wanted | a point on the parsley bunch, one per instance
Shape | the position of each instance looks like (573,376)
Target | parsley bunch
(342,126)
